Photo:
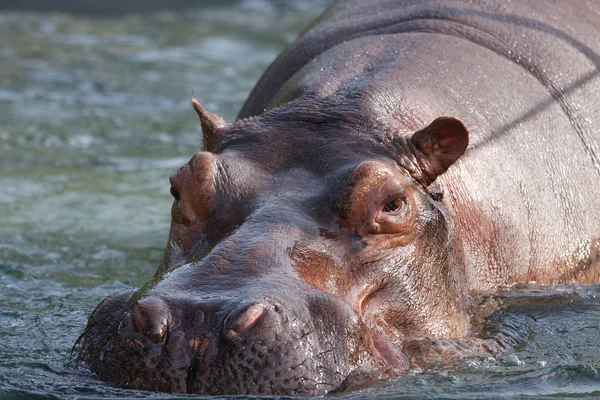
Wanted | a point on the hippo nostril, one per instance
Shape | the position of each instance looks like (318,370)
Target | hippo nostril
(243,319)
(150,317)
(175,194)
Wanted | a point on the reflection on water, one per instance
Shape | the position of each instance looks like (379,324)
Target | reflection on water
(94,117)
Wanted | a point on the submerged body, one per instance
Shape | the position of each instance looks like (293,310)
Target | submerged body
(397,162)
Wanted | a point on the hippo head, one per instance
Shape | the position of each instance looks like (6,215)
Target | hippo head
(307,245)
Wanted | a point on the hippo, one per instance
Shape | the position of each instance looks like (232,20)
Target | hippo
(399,162)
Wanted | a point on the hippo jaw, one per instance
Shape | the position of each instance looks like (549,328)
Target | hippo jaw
(286,274)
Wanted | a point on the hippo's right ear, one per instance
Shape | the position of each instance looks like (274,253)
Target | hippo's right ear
(212,126)
(439,145)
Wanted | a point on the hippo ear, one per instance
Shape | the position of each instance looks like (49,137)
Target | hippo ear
(439,145)
(212,125)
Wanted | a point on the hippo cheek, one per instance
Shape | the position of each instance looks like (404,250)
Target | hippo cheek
(326,274)
(388,328)
(388,353)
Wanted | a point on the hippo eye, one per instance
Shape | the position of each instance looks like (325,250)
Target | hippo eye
(175,193)
(393,206)
(396,216)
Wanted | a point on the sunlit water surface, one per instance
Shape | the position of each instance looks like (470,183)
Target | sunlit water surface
(94,117)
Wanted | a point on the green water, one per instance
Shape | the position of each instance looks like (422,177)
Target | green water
(94,117)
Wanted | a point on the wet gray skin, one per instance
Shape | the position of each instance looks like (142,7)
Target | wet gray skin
(378,184)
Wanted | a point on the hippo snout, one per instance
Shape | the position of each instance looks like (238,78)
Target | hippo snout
(150,321)
(232,345)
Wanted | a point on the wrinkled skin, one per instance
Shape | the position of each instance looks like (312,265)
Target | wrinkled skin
(413,157)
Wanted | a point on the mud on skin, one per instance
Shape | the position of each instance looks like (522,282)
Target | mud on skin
(398,163)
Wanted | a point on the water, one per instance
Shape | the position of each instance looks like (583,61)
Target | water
(94,117)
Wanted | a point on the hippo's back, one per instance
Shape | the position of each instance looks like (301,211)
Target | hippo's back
(556,41)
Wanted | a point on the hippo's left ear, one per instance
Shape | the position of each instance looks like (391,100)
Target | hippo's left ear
(439,145)
(212,125)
